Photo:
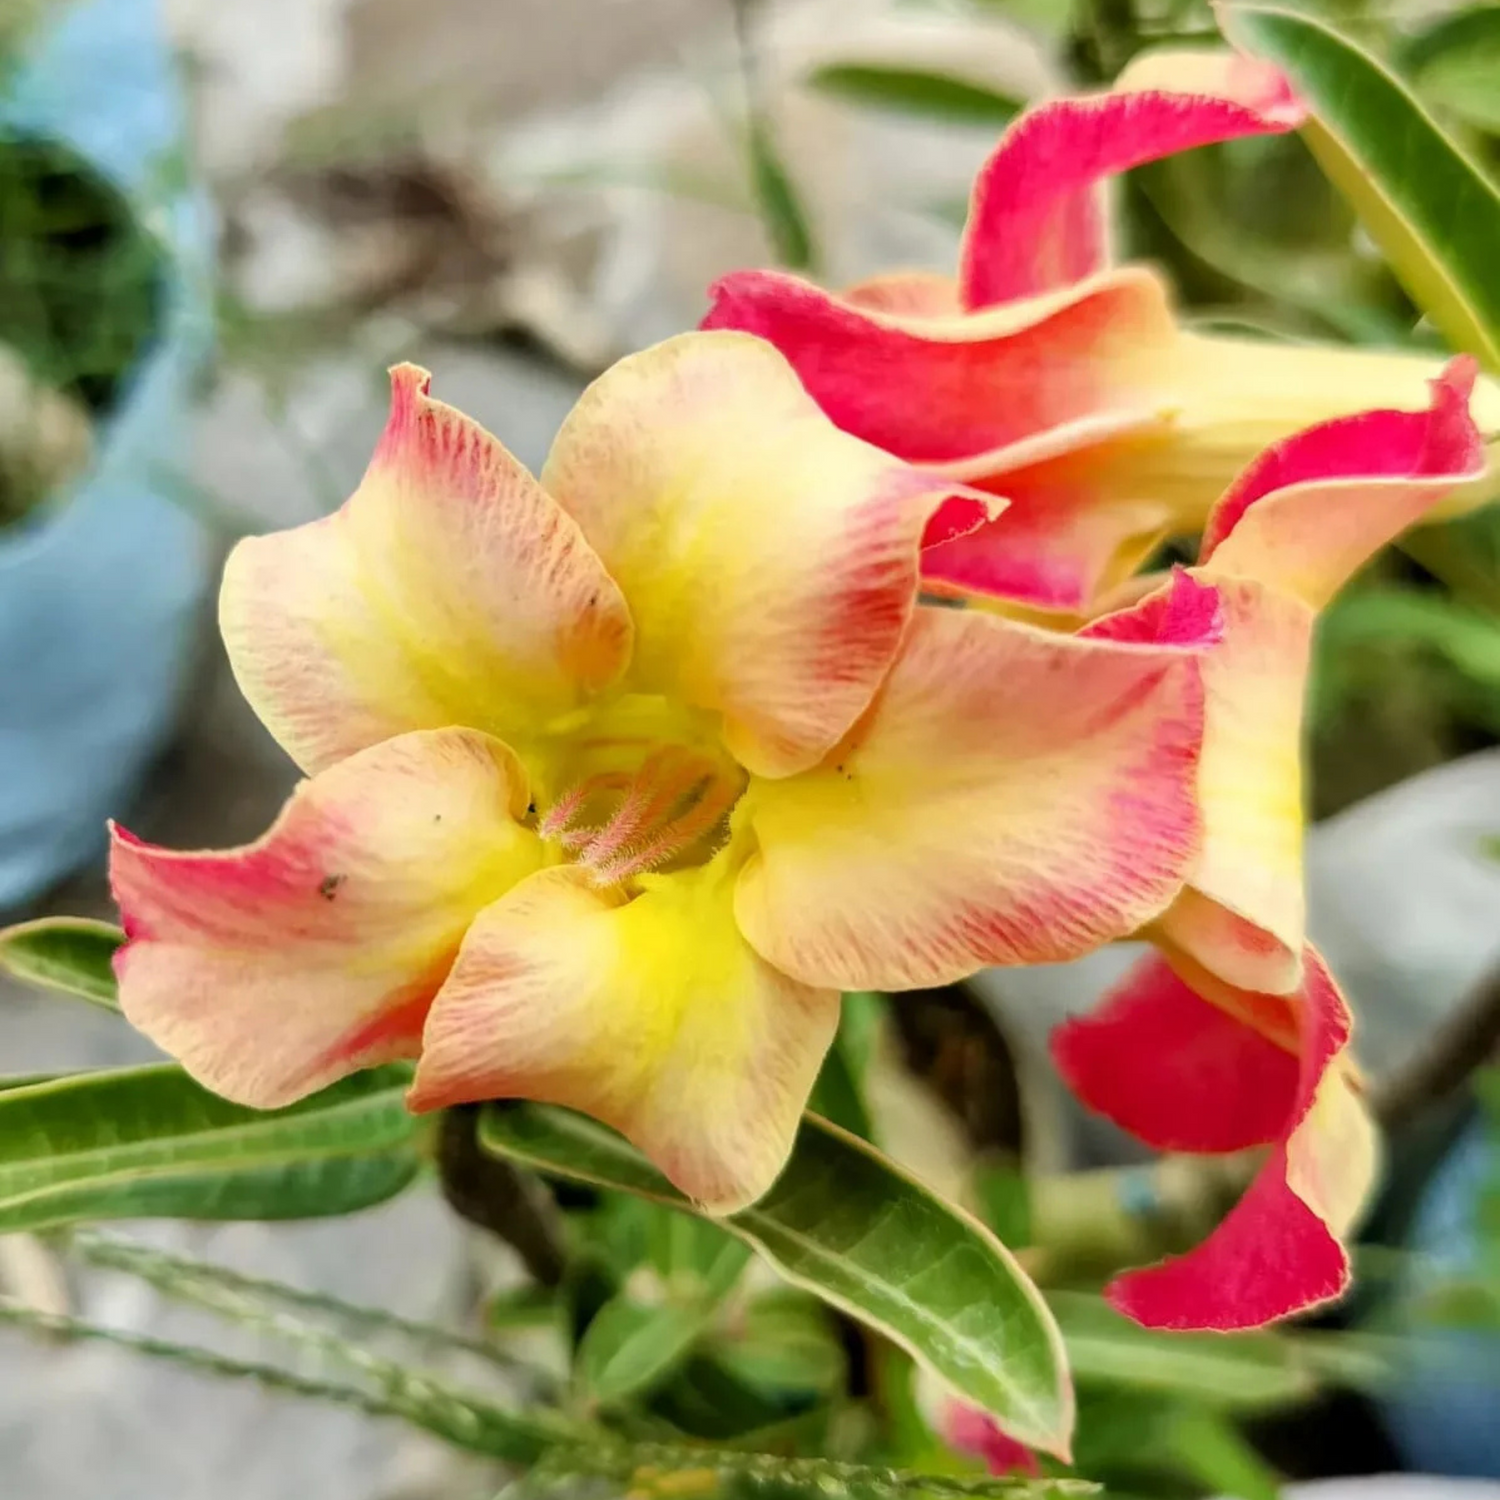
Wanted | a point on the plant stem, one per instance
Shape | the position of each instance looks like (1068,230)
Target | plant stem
(1467,1040)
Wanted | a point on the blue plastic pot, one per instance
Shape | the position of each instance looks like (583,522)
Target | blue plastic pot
(1444,1413)
(100,590)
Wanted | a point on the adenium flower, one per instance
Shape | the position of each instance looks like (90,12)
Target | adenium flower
(616,778)
(1051,376)
(1234,1035)
(1285,537)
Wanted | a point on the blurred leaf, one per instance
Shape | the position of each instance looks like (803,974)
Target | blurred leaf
(649,1470)
(694,1257)
(519,1308)
(1216,205)
(1210,1448)
(1467,640)
(1137,1441)
(1231,1370)
(1456,63)
(630,1347)
(916,91)
(1004,1201)
(849,1226)
(150,1143)
(780,206)
(838,1094)
(71,954)
(466,1419)
(784,1343)
(711,1402)
(1429,208)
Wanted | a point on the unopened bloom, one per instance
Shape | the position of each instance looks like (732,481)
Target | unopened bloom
(617,778)
(1050,376)
(1235,1034)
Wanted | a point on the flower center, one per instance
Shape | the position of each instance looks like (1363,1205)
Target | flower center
(672,810)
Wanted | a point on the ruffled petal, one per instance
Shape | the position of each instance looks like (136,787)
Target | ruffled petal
(653,1016)
(1243,915)
(1278,1252)
(448,590)
(1311,510)
(771,561)
(1037,218)
(986,382)
(1013,796)
(1077,524)
(271,970)
(1175,1072)
(907,294)
(1300,520)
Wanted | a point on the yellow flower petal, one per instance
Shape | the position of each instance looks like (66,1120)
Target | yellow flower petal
(1243,915)
(271,970)
(1013,796)
(653,1015)
(770,560)
(448,590)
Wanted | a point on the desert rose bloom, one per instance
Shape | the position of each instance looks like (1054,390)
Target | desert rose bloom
(1187,1063)
(1051,376)
(1235,1035)
(616,778)
(1285,537)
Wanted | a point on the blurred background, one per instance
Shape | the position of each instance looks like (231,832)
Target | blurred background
(221,220)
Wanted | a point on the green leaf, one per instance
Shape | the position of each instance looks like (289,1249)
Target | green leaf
(657,1471)
(1138,1442)
(780,205)
(837,1095)
(631,1347)
(916,91)
(149,1142)
(1456,63)
(849,1226)
(71,954)
(1428,207)
(697,1259)
(1210,1448)
(1243,1370)
(784,1344)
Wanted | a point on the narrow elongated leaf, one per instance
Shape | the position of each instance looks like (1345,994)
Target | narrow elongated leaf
(71,954)
(149,1142)
(780,204)
(631,1347)
(919,91)
(1429,208)
(463,1418)
(1244,1370)
(851,1227)
(663,1469)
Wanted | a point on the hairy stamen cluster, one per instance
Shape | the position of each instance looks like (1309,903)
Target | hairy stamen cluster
(675,800)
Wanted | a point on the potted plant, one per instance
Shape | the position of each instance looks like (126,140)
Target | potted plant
(104,319)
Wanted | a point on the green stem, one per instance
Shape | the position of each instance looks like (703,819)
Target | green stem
(171,1273)
(455,1417)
